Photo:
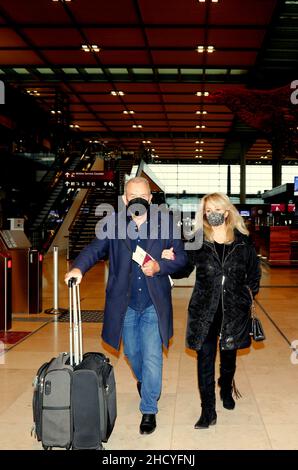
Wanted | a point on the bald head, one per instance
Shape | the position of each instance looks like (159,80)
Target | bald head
(136,188)
(137,184)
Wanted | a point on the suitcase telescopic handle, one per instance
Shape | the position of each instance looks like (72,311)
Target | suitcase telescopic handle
(72,281)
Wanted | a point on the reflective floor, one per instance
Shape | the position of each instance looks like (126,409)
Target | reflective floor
(267,374)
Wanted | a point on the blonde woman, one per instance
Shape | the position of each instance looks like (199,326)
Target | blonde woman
(226,268)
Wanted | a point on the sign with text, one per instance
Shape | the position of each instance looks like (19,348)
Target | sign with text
(89,179)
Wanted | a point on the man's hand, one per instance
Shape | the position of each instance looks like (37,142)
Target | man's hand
(151,268)
(73,273)
(168,254)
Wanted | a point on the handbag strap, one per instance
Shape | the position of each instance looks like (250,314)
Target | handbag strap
(252,306)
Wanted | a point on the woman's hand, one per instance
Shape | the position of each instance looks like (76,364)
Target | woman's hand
(168,254)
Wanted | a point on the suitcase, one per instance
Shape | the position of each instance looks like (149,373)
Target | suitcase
(74,399)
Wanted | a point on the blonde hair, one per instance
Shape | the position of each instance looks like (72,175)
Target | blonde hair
(232,221)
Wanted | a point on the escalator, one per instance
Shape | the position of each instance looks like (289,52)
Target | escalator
(82,230)
(55,199)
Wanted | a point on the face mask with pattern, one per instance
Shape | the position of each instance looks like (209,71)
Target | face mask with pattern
(215,218)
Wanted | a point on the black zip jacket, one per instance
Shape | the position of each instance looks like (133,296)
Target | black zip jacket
(226,282)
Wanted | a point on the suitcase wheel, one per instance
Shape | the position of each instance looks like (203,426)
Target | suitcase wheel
(47,447)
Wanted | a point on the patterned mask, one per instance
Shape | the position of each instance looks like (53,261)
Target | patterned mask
(215,218)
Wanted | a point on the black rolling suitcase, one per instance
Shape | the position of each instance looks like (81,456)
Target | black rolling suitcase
(74,400)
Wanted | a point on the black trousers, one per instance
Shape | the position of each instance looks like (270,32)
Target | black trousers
(206,357)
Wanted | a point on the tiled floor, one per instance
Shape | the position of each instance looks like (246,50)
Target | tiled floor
(264,418)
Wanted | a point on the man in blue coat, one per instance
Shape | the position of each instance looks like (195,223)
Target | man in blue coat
(138,305)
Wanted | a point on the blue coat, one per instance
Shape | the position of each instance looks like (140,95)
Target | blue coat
(119,252)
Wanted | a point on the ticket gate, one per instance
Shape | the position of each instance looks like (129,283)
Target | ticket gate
(26,273)
(5,291)
(35,281)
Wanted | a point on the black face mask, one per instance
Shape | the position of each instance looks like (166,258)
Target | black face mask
(137,206)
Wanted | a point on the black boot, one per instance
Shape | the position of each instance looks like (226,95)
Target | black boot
(206,362)
(226,379)
(208,418)
(226,392)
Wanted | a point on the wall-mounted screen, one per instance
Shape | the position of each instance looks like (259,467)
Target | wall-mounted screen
(278,208)
(244,213)
(295,185)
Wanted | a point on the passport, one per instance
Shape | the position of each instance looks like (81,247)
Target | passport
(141,257)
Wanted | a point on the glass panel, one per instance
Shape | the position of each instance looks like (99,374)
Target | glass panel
(70,71)
(288,172)
(258,178)
(143,71)
(168,71)
(22,71)
(118,70)
(93,70)
(192,71)
(45,71)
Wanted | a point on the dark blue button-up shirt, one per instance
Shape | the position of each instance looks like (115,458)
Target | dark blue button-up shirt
(140,298)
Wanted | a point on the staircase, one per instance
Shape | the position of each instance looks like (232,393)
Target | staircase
(55,193)
(124,167)
(82,230)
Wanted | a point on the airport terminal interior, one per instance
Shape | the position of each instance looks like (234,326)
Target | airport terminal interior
(196,96)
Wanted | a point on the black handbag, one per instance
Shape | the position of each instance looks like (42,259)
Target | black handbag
(256,329)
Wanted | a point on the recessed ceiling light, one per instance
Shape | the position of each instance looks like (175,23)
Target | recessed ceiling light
(128,112)
(200,127)
(201,93)
(209,49)
(117,93)
(201,112)
(33,92)
(90,48)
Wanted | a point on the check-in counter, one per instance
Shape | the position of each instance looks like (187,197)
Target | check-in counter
(278,244)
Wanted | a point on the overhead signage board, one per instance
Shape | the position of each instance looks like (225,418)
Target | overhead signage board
(88,179)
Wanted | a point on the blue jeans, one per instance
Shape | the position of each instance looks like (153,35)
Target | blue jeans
(143,348)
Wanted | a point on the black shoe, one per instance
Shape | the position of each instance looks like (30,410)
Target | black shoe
(208,418)
(139,387)
(148,424)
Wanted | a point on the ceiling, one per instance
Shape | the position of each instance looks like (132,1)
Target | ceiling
(148,51)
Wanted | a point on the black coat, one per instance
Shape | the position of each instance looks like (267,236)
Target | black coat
(225,282)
